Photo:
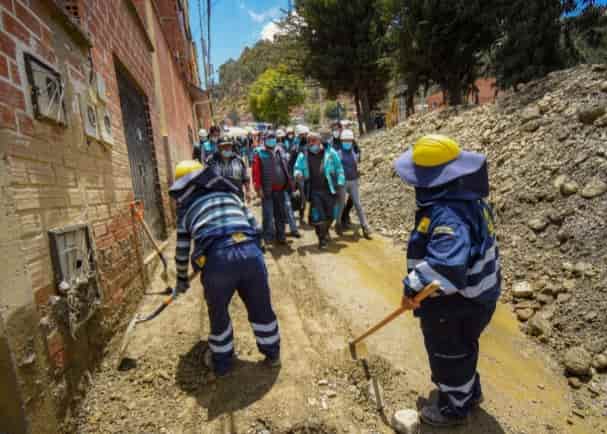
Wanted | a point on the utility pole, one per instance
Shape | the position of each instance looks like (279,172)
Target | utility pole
(203,48)
(209,41)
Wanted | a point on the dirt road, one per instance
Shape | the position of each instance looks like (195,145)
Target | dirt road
(321,300)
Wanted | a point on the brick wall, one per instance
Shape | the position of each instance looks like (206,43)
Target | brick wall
(55,177)
(486,94)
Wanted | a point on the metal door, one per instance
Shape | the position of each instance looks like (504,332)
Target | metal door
(137,132)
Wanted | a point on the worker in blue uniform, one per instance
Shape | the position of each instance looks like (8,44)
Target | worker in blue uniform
(227,254)
(454,243)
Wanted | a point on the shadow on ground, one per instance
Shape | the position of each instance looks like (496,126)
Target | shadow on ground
(480,422)
(246,384)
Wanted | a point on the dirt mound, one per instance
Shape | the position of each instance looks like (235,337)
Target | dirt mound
(547,152)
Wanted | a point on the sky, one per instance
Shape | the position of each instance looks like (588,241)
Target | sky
(235,24)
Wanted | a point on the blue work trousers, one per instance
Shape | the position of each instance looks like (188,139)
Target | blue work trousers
(238,268)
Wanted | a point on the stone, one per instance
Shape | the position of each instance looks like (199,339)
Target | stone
(545,298)
(406,421)
(574,382)
(603,86)
(524,314)
(530,113)
(600,362)
(569,284)
(531,126)
(577,361)
(522,290)
(569,188)
(538,224)
(590,316)
(580,268)
(563,298)
(539,326)
(587,114)
(594,188)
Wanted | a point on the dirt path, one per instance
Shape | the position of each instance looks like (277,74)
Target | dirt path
(321,300)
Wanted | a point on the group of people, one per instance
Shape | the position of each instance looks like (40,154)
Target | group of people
(452,243)
(289,169)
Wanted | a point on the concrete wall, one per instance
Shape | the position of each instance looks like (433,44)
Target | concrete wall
(52,176)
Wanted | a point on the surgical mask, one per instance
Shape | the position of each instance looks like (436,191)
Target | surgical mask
(346,146)
(336,134)
(315,149)
(226,153)
(270,143)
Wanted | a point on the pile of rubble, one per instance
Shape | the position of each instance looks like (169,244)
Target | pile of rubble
(547,151)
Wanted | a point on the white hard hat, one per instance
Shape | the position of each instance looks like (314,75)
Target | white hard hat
(290,130)
(280,133)
(347,135)
(203,133)
(301,129)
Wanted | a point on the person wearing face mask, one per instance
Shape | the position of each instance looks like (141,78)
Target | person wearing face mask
(271,179)
(349,159)
(198,147)
(322,168)
(281,137)
(228,164)
(210,146)
(336,141)
(290,139)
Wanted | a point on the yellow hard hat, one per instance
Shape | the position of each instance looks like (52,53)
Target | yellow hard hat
(187,166)
(435,150)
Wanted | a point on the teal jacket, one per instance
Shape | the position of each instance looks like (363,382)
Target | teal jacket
(334,170)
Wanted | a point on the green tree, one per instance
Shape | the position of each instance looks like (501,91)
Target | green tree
(273,95)
(334,110)
(344,49)
(442,41)
(312,114)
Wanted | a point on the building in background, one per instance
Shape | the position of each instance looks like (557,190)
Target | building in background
(485,91)
(98,101)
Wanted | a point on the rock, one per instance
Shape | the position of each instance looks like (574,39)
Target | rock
(589,113)
(577,361)
(594,188)
(539,326)
(531,126)
(524,314)
(568,188)
(569,284)
(581,268)
(406,422)
(600,362)
(545,298)
(538,224)
(522,290)
(590,316)
(563,298)
(574,382)
(530,113)
(603,86)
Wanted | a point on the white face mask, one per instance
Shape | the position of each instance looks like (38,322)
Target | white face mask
(336,134)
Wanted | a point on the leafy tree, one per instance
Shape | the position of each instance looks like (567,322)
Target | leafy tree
(442,41)
(344,48)
(312,114)
(334,110)
(273,95)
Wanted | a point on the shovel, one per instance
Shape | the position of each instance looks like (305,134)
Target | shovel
(362,349)
(137,209)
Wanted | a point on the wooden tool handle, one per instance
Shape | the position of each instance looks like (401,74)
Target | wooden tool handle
(421,296)
(137,207)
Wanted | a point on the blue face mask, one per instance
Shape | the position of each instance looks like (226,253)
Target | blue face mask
(346,146)
(270,143)
(315,149)
(227,153)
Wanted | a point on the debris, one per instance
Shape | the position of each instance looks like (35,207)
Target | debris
(577,361)
(522,290)
(406,421)
(593,189)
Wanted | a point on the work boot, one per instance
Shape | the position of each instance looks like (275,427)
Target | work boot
(295,234)
(432,416)
(272,362)
(339,229)
(207,359)
(367,233)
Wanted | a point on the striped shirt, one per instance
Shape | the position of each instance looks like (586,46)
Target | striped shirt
(208,219)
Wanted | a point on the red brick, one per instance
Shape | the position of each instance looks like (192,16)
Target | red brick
(15,73)
(15,28)
(26,124)
(8,4)
(7,118)
(29,19)
(7,45)
(42,295)
(11,96)
(3,67)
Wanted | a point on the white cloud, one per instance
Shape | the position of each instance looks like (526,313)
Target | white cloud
(262,17)
(270,30)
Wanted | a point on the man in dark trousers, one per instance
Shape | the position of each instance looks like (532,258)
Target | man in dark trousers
(271,179)
(453,243)
(322,169)
(226,252)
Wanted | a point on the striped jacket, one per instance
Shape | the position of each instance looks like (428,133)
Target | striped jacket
(454,242)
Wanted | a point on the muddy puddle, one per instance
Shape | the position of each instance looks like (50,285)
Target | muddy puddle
(518,376)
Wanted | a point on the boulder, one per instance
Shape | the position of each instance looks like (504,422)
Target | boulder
(600,362)
(594,188)
(587,114)
(577,361)
(539,326)
(522,290)
(524,314)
